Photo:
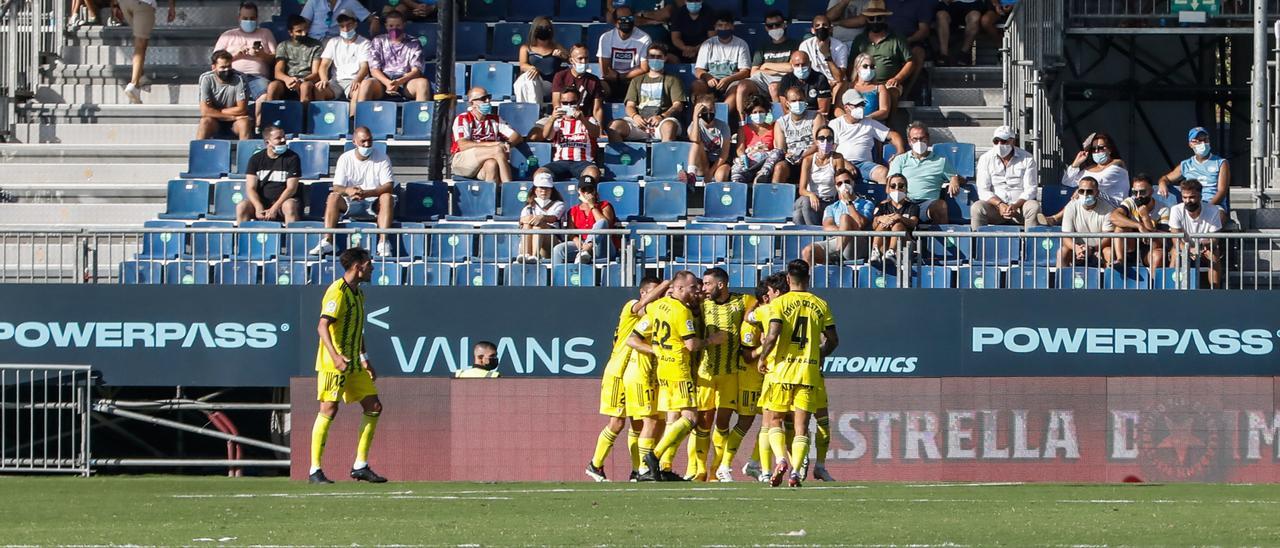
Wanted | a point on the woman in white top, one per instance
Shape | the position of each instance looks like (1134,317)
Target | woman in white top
(817,188)
(1100,160)
(544,209)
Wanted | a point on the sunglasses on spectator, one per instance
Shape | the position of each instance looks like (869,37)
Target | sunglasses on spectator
(896,186)
(777,25)
(627,19)
(822,26)
(1001,141)
(1098,149)
(1087,192)
(484,98)
(1141,193)
(823,137)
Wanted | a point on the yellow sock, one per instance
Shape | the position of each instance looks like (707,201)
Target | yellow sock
(764,451)
(732,441)
(319,435)
(691,457)
(718,440)
(368,423)
(822,441)
(701,444)
(666,458)
(604,444)
(676,433)
(633,446)
(778,443)
(799,449)
(755,451)
(644,446)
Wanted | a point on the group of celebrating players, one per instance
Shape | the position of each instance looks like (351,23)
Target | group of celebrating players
(688,355)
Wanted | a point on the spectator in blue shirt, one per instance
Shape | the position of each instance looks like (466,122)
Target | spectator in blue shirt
(1213,171)
(928,174)
(849,212)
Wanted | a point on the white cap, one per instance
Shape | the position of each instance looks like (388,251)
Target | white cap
(543,180)
(1003,133)
(852,97)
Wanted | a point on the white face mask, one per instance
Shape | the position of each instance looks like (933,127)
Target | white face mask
(897,196)
(777,34)
(542,202)
(919,147)
(1201,149)
(867,75)
(1101,157)
(854,112)
(1003,150)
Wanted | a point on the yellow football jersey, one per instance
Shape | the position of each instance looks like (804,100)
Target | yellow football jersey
(621,352)
(667,323)
(723,359)
(797,354)
(344,306)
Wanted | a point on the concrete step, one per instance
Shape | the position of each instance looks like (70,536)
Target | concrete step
(968,96)
(70,113)
(121,72)
(78,214)
(88,134)
(98,54)
(959,115)
(962,134)
(199,15)
(99,154)
(104,93)
(96,172)
(981,75)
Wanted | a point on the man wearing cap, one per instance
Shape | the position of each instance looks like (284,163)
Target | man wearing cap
(813,84)
(857,137)
(1211,170)
(362,187)
(344,63)
(895,65)
(482,141)
(323,16)
(927,173)
(591,213)
(1008,180)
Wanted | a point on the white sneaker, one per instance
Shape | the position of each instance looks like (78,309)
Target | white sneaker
(113,22)
(724,474)
(75,22)
(820,472)
(765,477)
(583,258)
(875,256)
(321,248)
(752,469)
(890,257)
(135,96)
(804,468)
(384,248)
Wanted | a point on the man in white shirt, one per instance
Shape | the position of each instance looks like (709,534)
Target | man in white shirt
(723,61)
(323,17)
(828,55)
(344,63)
(362,187)
(621,53)
(1008,180)
(1193,217)
(1086,213)
(856,137)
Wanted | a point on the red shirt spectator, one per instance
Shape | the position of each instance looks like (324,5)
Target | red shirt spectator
(488,128)
(572,142)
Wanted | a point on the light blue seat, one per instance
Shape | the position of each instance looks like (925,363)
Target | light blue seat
(573,275)
(704,248)
(379,116)
(652,247)
(875,277)
(208,159)
(1080,277)
(226,196)
(498,248)
(940,248)
(496,77)
(1039,248)
(416,120)
(141,272)
(186,199)
(237,273)
(569,193)
(162,245)
(286,115)
(1134,277)
(508,37)
(210,246)
(297,245)
(387,273)
(328,120)
(477,275)
(624,196)
(258,246)
(793,245)
(186,273)
(284,273)
(430,274)
(1175,278)
(1029,276)
(961,156)
(513,196)
(625,161)
(244,151)
(667,157)
(772,203)
(425,201)
(724,203)
(526,275)
(997,250)
(979,277)
(742,276)
(1054,198)
(832,276)
(314,156)
(756,245)
(520,116)
(933,277)
(665,201)
(449,248)
(474,200)
(527,158)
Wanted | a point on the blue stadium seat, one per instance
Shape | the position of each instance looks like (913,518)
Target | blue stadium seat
(1134,277)
(724,203)
(573,275)
(997,251)
(499,247)
(286,115)
(495,77)
(583,11)
(208,159)
(314,156)
(665,201)
(594,32)
(756,246)
(412,244)
(805,10)
(244,151)
(799,31)
(508,37)
(743,276)
(1174,278)
(1079,278)
(614,111)
(624,196)
(979,277)
(704,248)
(237,273)
(946,249)
(625,161)
(1029,277)
(379,116)
(528,157)
(378,146)
(141,272)
(162,245)
(387,273)
(449,248)
(427,35)
(754,34)
(686,74)
(474,201)
(792,245)
(756,9)
(652,247)
(1054,197)
(296,246)
(657,33)
(477,275)
(526,275)
(327,120)
(513,196)
(772,203)
(460,86)
(284,273)
(776,111)
(415,120)
(832,276)
(887,152)
(425,201)
(958,205)
(667,157)
(430,274)
(258,246)
(569,193)
(186,273)
(226,196)
(612,275)
(568,34)
(877,278)
(933,277)
(961,156)
(520,116)
(594,68)
(359,238)
(210,246)
(870,190)
(1039,248)
(486,10)
(323,273)
(186,199)
(732,6)
(315,197)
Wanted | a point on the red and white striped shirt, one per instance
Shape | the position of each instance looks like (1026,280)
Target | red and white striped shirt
(479,129)
(572,142)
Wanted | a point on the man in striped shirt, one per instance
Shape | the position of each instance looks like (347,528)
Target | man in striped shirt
(573,137)
(482,141)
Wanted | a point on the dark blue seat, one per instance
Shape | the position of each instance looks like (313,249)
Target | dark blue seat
(624,196)
(756,9)
(314,156)
(359,238)
(1175,278)
(427,35)
(528,157)
(875,277)
(415,120)
(495,77)
(1133,277)
(569,193)
(754,34)
(594,32)
(387,273)
(286,115)
(756,245)
(1040,247)
(284,273)
(742,276)
(208,159)
(226,196)
(961,156)
(498,248)
(832,276)
(665,201)
(520,116)
(486,10)
(425,201)
(568,34)
(141,272)
(258,246)
(162,245)
(625,161)
(379,116)
(799,31)
(704,248)
(296,245)
(685,72)
(430,274)
(526,10)
(998,251)
(946,249)
(724,203)
(244,151)
(583,11)
(323,273)
(460,86)
(612,275)
(185,273)
(474,201)
(412,244)
(315,197)
(210,246)
(772,203)
(186,199)
(449,248)
(1029,277)
(1054,198)
(514,195)
(573,275)
(1080,277)
(328,120)
(979,277)
(237,273)
(870,190)
(614,111)
(793,244)
(507,39)
(667,157)
(477,275)
(652,247)
(933,277)
(526,275)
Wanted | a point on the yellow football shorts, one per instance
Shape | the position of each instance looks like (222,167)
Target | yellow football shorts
(820,395)
(718,392)
(613,397)
(351,386)
(750,385)
(675,394)
(640,388)
(783,398)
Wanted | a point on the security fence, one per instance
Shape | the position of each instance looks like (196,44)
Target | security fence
(44,418)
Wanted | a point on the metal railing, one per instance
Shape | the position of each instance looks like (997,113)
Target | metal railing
(30,36)
(44,418)
(1031,55)
(1160,12)
(948,256)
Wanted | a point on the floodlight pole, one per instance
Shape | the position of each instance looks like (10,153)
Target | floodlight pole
(1258,145)
(444,97)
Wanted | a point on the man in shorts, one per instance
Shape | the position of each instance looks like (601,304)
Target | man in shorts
(344,63)
(482,141)
(654,99)
(141,17)
(362,187)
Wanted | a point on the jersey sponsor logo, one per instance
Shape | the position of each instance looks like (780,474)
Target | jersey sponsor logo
(689,325)
(331,307)
(225,335)
(1107,340)
(869,364)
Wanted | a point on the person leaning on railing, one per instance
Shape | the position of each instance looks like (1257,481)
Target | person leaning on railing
(1142,213)
(1087,212)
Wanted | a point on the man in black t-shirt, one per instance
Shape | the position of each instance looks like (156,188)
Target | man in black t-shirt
(690,27)
(813,84)
(772,61)
(271,182)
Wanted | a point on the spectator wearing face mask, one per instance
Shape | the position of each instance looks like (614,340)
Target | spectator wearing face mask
(828,55)
(1008,181)
(795,136)
(724,61)
(814,86)
(848,213)
(395,65)
(709,155)
(1143,214)
(771,63)
(1213,171)
(880,102)
(817,188)
(930,175)
(323,15)
(621,53)
(252,49)
(297,67)
(591,213)
(224,100)
(587,87)
(482,141)
(1086,213)
(690,27)
(758,150)
(857,138)
(1100,160)
(897,213)
(1194,217)
(344,63)
(894,64)
(544,209)
(653,102)
(362,187)
(541,56)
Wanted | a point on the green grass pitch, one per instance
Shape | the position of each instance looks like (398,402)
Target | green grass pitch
(170,510)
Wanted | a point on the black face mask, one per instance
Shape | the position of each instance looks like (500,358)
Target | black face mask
(626,28)
(1193,206)
(822,33)
(542,33)
(224,75)
(878,27)
(1142,200)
